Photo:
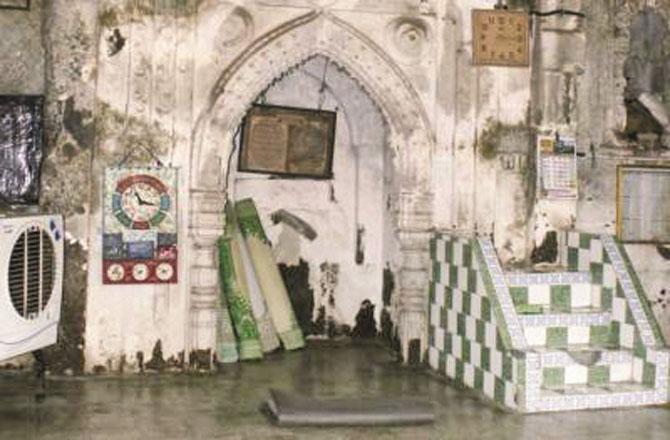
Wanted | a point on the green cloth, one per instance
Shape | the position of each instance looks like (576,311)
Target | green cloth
(252,289)
(226,346)
(269,278)
(248,338)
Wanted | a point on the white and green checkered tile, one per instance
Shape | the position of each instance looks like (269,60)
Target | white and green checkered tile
(550,292)
(583,252)
(637,327)
(541,342)
(465,342)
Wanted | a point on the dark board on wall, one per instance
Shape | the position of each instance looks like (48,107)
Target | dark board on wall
(21,148)
(15,4)
(288,141)
(643,204)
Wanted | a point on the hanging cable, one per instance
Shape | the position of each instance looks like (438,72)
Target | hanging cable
(233,147)
(322,89)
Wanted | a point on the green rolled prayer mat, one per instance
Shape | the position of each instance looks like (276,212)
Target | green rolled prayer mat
(234,285)
(269,278)
(268,334)
(226,345)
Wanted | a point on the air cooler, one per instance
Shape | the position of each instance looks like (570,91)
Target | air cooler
(31,281)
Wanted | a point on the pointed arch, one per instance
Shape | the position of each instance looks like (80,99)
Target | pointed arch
(410,136)
(292,43)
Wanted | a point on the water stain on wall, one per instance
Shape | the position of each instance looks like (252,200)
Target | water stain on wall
(68,353)
(296,279)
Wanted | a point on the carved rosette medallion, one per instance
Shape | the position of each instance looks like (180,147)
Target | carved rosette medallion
(410,38)
(235,29)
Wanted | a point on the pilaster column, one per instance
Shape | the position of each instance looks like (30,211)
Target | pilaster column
(205,229)
(414,222)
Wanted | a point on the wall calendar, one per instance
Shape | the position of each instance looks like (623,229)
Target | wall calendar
(557,162)
(139,226)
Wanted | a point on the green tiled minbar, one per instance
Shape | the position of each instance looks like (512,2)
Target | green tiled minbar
(560,298)
(599,375)
(599,335)
(557,337)
(468,337)
(585,329)
(553,377)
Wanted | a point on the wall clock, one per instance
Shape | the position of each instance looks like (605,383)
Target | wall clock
(141,202)
(140,226)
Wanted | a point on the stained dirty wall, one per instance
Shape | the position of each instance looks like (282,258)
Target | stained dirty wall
(120,73)
(49,50)
(579,89)
(485,111)
(336,208)
(155,79)
(143,116)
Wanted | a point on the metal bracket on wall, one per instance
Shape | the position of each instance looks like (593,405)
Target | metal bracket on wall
(557,12)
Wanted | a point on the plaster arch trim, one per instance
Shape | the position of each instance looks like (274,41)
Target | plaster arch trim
(411,138)
(273,54)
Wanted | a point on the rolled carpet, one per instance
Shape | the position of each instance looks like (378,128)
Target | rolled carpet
(234,285)
(226,344)
(269,278)
(292,410)
(268,334)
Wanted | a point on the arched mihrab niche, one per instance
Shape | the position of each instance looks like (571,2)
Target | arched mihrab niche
(411,137)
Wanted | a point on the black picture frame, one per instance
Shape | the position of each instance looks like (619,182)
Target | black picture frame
(21,148)
(22,5)
(321,123)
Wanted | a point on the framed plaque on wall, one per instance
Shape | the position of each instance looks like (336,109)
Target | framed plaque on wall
(643,204)
(287,141)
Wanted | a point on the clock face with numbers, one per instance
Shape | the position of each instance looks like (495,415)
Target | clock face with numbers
(141,202)
(140,233)
(500,38)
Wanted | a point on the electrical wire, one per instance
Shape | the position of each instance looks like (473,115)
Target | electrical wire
(557,12)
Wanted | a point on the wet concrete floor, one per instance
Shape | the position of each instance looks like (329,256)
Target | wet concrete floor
(226,405)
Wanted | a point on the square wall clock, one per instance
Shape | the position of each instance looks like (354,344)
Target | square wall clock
(500,38)
(139,241)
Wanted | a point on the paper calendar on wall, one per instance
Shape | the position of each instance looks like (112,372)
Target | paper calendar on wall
(557,162)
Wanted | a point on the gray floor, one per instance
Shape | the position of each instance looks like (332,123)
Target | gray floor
(226,405)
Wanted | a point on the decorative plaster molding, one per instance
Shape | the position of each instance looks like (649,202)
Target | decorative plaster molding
(269,57)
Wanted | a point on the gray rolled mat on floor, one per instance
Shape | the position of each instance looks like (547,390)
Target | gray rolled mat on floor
(293,410)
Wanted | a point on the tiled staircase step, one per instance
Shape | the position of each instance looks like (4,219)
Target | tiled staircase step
(578,317)
(624,394)
(560,297)
(549,278)
(580,390)
(536,309)
(564,358)
(562,368)
(558,335)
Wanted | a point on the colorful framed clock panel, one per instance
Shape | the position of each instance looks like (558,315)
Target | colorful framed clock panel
(139,241)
